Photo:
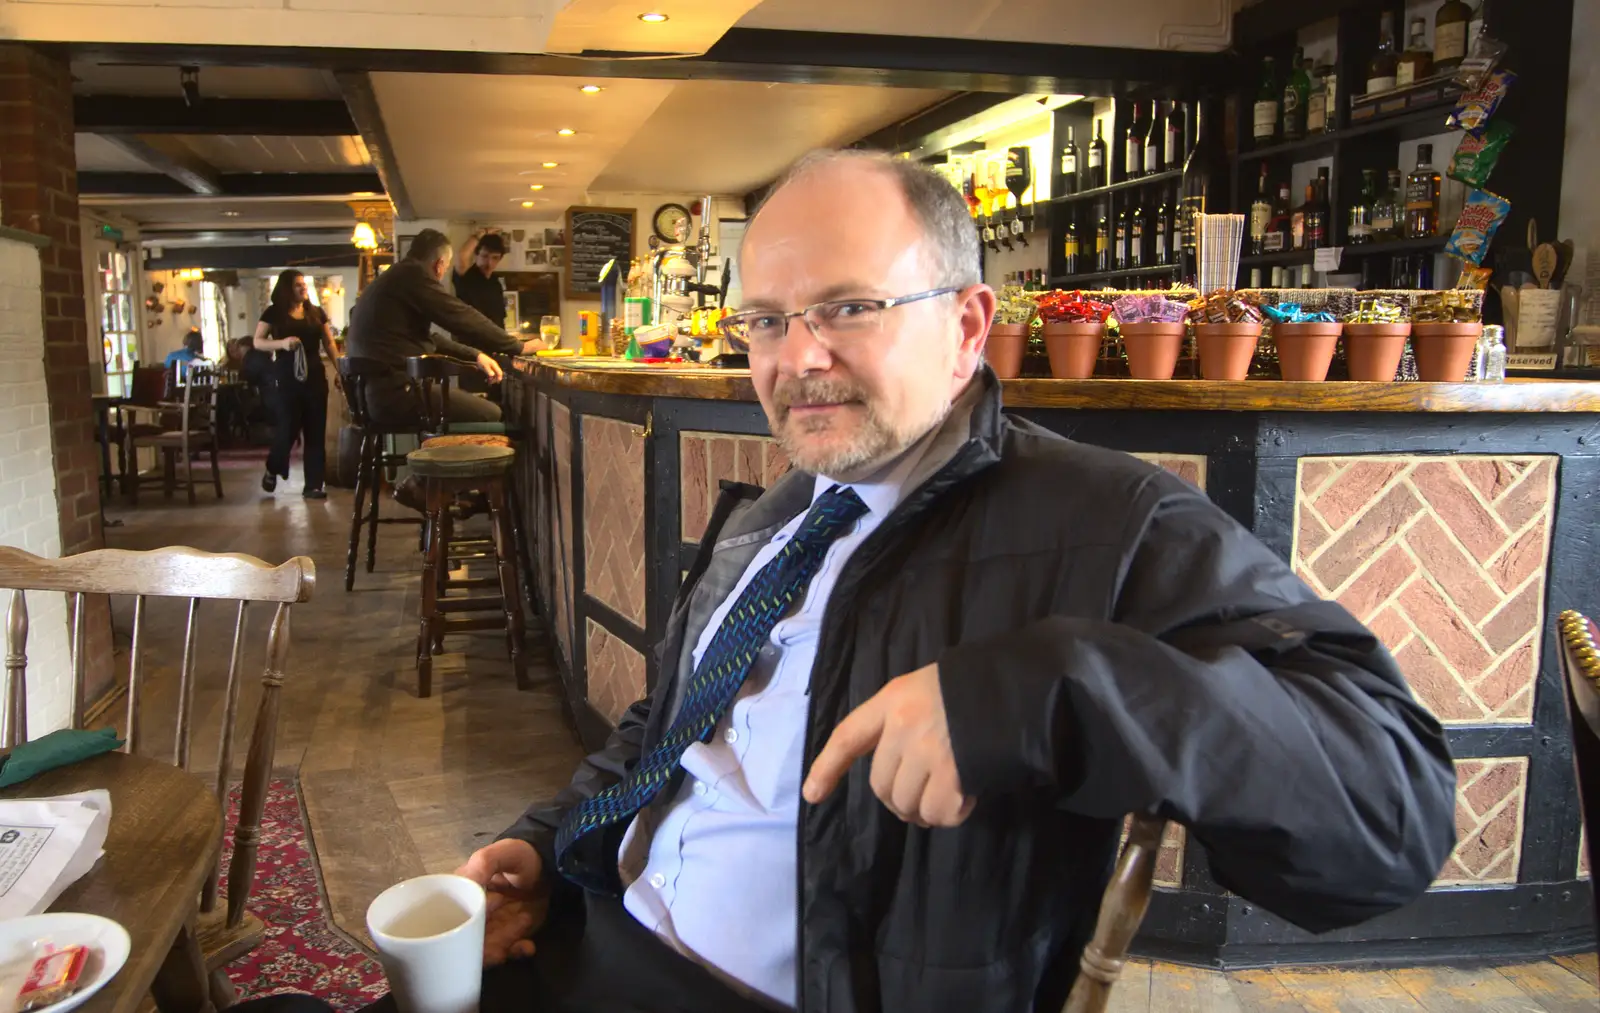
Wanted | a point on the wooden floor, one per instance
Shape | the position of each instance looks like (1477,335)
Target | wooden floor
(395,786)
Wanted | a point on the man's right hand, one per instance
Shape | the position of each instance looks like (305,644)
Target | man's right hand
(490,368)
(518,899)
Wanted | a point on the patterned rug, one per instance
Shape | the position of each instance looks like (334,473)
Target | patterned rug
(302,951)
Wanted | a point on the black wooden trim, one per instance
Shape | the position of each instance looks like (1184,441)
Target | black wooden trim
(580,629)
(615,623)
(1475,742)
(265,255)
(687,551)
(1306,434)
(368,117)
(190,172)
(663,530)
(145,114)
(912,131)
(232,184)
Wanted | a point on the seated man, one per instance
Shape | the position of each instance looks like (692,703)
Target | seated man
(391,322)
(909,692)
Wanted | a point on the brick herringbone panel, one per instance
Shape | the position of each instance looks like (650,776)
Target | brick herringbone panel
(705,459)
(1169,863)
(1490,799)
(616,673)
(561,524)
(1444,558)
(613,515)
(1189,467)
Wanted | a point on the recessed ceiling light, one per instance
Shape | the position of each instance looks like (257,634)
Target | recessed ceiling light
(652,18)
(277,238)
(591,89)
(535,186)
(230,214)
(549,165)
(527,203)
(566,131)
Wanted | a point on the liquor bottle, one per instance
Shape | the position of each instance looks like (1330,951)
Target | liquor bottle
(1317,104)
(1279,230)
(1069,251)
(1172,150)
(1198,170)
(1069,163)
(1265,117)
(1330,87)
(1097,158)
(1296,93)
(1102,241)
(1152,139)
(1119,252)
(1382,67)
(1386,211)
(1317,217)
(1136,236)
(1415,64)
(1422,196)
(1163,228)
(1297,221)
(1133,144)
(1450,36)
(1019,172)
(1359,230)
(1260,215)
(1030,282)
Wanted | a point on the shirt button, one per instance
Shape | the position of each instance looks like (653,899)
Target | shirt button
(730,736)
(699,787)
(658,881)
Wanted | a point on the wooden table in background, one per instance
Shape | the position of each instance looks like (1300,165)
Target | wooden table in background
(165,833)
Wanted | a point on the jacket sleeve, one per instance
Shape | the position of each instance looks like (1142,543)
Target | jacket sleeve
(1226,696)
(472,331)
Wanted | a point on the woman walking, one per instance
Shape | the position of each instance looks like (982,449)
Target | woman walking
(296,332)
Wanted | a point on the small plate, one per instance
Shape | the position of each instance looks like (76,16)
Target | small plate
(20,946)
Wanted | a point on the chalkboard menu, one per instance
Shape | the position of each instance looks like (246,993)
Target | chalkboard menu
(596,236)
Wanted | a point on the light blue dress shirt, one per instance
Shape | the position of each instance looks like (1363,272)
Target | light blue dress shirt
(712,871)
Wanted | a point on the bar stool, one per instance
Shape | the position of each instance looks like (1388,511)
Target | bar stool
(371,463)
(445,471)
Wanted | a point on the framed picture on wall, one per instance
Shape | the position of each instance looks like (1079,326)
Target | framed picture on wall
(534,258)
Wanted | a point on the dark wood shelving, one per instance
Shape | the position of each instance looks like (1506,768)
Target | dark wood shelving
(1171,175)
(1395,247)
(1416,123)
(1085,280)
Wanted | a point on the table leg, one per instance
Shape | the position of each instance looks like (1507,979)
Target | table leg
(182,985)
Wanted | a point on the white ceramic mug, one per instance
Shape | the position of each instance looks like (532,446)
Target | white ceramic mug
(429,934)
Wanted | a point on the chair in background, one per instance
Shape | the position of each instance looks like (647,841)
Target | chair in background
(1580,660)
(1121,911)
(197,431)
(176,573)
(146,385)
(372,462)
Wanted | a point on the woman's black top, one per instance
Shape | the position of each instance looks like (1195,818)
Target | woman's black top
(309,330)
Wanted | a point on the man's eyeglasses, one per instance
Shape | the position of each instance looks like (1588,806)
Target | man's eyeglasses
(836,319)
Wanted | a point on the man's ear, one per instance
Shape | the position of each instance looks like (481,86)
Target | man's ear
(976,314)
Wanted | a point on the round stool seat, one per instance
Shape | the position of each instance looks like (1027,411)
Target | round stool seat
(460,461)
(466,440)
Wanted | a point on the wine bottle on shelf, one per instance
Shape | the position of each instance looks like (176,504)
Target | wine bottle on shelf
(1381,69)
(1152,139)
(1260,215)
(1318,233)
(1069,163)
(1163,230)
(1102,240)
(1265,118)
(1359,229)
(1030,282)
(1198,169)
(1069,250)
(1330,89)
(1296,93)
(1422,196)
(1279,229)
(1136,236)
(1098,176)
(1119,252)
(1387,210)
(1297,220)
(1416,63)
(1172,150)
(1450,35)
(1317,104)
(1133,144)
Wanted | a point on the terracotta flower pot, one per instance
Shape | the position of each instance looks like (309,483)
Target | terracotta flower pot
(1004,351)
(1152,349)
(1073,349)
(1226,349)
(1444,351)
(1374,350)
(1305,351)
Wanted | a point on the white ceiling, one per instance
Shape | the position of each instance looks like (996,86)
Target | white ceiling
(96,154)
(232,153)
(208,212)
(215,82)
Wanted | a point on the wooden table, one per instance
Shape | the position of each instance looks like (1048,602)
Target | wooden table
(165,833)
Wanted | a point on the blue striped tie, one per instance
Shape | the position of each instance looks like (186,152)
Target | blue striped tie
(722,670)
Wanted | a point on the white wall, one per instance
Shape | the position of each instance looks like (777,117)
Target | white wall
(28,504)
(1580,203)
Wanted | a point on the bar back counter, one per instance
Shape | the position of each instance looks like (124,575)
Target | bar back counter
(1457,520)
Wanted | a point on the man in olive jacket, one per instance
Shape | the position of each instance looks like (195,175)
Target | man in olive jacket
(908,754)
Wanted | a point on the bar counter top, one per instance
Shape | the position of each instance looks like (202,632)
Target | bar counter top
(611,376)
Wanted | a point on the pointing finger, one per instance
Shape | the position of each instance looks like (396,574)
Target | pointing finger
(855,737)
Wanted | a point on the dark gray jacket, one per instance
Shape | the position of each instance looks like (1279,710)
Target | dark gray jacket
(391,321)
(1108,641)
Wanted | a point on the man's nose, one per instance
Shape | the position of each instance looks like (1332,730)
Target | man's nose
(801,351)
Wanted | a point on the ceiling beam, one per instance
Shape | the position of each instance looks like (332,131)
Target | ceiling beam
(909,132)
(752,54)
(141,114)
(363,105)
(232,184)
(240,233)
(188,171)
(255,256)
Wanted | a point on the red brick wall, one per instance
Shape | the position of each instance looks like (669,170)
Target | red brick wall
(39,193)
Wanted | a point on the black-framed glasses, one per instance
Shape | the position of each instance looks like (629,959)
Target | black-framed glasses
(836,319)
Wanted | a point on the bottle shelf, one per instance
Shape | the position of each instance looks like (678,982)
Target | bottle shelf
(1085,280)
(1395,247)
(1169,176)
(1409,125)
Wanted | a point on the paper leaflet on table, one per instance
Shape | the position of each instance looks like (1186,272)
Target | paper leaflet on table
(46,845)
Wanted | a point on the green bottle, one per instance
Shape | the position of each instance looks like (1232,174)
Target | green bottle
(1296,98)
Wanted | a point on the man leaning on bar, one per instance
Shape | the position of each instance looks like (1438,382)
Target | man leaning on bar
(908,693)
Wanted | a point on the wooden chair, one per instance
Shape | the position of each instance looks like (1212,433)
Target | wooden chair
(372,462)
(179,573)
(146,385)
(1121,910)
(197,430)
(1580,660)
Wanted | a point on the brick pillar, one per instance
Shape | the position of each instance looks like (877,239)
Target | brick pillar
(39,194)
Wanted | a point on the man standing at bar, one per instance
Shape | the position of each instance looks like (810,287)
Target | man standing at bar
(908,693)
(473,278)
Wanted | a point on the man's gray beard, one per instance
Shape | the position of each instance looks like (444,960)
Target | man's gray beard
(876,443)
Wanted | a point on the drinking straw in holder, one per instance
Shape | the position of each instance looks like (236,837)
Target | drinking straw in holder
(1221,241)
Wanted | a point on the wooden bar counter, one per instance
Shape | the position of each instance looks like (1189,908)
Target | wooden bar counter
(1457,520)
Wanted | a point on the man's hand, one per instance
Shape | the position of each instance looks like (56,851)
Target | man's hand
(490,368)
(914,772)
(533,345)
(512,874)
